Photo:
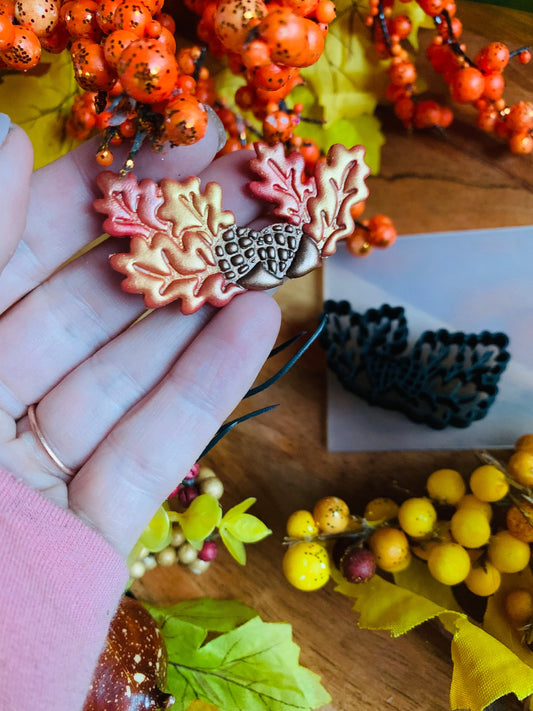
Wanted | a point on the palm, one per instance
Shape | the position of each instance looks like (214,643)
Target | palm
(129,407)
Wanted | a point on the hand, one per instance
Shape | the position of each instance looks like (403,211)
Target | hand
(128,409)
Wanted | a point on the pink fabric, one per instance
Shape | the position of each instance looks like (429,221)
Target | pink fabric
(60,583)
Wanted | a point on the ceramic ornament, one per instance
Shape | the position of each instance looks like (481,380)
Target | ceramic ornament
(184,245)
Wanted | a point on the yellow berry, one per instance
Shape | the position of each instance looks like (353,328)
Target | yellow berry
(417,517)
(380,510)
(446,486)
(519,606)
(301,524)
(520,521)
(520,467)
(441,534)
(391,549)
(507,553)
(331,514)
(470,528)
(306,565)
(469,501)
(488,483)
(449,563)
(483,580)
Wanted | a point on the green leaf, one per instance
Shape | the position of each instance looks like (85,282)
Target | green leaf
(247,528)
(200,519)
(39,101)
(238,509)
(252,668)
(234,546)
(207,613)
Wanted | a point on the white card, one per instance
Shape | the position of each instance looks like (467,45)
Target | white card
(474,281)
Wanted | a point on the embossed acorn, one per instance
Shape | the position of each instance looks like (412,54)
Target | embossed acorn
(184,246)
(132,669)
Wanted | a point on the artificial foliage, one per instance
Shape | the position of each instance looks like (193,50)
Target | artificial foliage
(222,653)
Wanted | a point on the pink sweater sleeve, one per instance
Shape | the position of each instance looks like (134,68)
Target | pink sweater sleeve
(59,587)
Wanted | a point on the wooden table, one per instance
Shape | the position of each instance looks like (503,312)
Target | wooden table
(427,183)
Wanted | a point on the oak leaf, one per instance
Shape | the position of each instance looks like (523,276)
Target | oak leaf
(163,273)
(131,207)
(187,209)
(281,182)
(340,184)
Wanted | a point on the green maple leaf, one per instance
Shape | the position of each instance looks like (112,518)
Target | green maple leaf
(254,667)
(212,615)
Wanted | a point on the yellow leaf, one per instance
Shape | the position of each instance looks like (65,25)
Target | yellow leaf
(484,669)
(39,103)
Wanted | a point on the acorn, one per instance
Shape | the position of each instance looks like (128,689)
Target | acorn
(132,670)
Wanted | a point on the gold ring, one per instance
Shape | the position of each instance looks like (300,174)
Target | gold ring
(34,426)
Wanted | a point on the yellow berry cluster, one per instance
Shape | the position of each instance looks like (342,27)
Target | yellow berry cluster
(470,532)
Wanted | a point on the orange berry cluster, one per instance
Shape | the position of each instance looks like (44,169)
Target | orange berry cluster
(456,530)
(479,81)
(266,43)
(377,232)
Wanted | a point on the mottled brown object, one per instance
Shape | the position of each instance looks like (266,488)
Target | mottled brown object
(132,669)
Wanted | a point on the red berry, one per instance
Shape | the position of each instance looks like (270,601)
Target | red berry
(209,551)
(427,114)
(358,565)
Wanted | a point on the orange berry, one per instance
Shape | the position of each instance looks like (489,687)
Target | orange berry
(105,14)
(520,521)
(520,117)
(91,70)
(41,16)
(468,85)
(7,32)
(325,11)
(521,143)
(185,120)
(403,73)
(25,50)
(80,19)
(115,43)
(519,606)
(331,514)
(520,467)
(525,442)
(234,18)
(104,158)
(132,16)
(494,86)
(390,547)
(148,71)
(493,58)
(357,243)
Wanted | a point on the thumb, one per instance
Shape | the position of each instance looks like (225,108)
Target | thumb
(16,163)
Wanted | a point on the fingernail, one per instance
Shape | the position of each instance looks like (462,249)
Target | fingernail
(221,131)
(5,125)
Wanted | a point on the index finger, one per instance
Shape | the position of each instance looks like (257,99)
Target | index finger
(61,219)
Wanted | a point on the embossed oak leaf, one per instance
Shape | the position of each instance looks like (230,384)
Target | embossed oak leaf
(281,182)
(340,184)
(173,228)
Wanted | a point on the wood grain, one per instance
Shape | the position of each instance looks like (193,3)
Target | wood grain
(427,183)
